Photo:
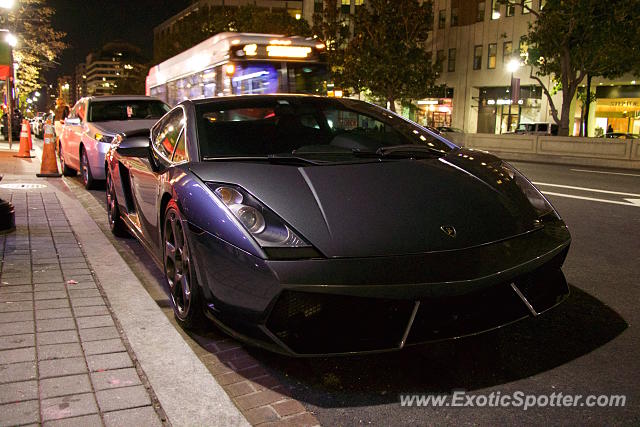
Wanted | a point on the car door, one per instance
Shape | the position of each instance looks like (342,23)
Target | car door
(145,182)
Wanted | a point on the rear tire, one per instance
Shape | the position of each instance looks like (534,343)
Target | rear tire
(184,292)
(85,170)
(116,224)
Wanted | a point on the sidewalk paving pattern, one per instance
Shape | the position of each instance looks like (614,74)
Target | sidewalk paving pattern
(62,360)
(64,354)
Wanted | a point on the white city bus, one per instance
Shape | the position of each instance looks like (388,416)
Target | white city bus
(241,63)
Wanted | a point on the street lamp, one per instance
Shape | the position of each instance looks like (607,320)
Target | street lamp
(512,66)
(10,39)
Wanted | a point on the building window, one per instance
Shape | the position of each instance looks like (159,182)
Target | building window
(361,2)
(526,6)
(477,57)
(480,11)
(511,9)
(542,3)
(451,65)
(439,60)
(507,51)
(491,57)
(524,48)
(495,9)
(318,6)
(454,16)
(442,18)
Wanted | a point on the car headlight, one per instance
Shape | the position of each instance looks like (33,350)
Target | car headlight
(103,138)
(265,226)
(539,203)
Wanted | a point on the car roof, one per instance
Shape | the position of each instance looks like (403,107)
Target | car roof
(285,96)
(121,98)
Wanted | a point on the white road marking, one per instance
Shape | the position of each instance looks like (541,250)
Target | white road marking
(608,173)
(593,190)
(631,202)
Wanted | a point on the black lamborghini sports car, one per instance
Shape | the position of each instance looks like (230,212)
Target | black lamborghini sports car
(310,225)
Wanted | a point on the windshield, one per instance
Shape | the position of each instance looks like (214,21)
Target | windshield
(103,111)
(305,127)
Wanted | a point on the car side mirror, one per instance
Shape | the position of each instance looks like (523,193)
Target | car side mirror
(137,146)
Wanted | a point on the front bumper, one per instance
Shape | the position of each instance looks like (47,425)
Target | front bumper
(335,306)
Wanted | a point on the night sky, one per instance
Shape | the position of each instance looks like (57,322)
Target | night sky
(90,24)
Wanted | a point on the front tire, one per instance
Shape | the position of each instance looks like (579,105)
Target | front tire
(184,291)
(116,224)
(85,170)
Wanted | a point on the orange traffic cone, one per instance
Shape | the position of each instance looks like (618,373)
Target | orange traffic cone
(24,151)
(29,134)
(49,165)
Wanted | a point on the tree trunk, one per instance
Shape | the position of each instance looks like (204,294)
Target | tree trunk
(563,126)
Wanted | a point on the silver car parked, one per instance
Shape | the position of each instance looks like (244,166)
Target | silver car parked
(91,125)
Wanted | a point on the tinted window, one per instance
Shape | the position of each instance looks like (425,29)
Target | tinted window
(261,127)
(102,111)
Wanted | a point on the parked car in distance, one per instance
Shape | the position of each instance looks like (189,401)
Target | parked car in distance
(91,125)
(537,129)
(37,124)
(449,129)
(311,225)
(621,135)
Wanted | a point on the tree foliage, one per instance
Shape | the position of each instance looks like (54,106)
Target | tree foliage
(38,44)
(387,54)
(573,38)
(210,20)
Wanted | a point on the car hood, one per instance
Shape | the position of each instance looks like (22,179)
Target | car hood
(118,126)
(387,208)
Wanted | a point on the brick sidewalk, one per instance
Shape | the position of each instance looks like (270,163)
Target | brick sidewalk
(62,358)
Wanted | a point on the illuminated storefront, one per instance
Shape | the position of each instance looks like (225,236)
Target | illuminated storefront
(617,107)
(497,113)
(434,112)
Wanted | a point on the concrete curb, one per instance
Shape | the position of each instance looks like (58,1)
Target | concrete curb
(185,388)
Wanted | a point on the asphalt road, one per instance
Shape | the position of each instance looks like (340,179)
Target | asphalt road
(589,345)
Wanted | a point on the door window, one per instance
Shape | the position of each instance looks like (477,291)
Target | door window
(167,133)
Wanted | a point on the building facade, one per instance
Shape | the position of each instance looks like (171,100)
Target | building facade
(475,40)
(107,68)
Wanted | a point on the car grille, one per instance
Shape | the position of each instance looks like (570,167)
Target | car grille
(310,323)
(489,308)
(313,323)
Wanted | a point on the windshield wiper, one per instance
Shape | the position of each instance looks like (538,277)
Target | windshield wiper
(271,158)
(408,149)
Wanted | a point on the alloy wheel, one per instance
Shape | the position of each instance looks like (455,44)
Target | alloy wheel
(111,202)
(177,263)
(84,166)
